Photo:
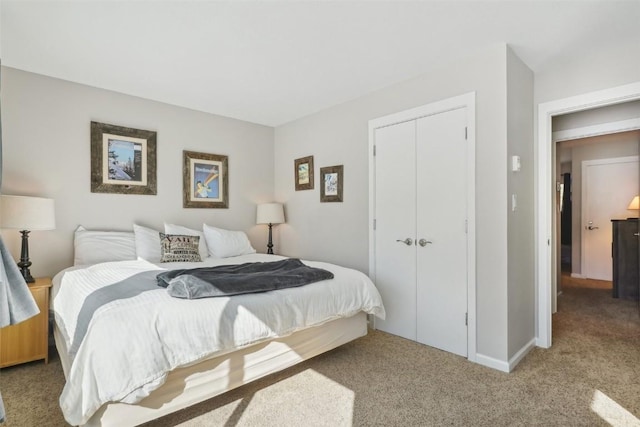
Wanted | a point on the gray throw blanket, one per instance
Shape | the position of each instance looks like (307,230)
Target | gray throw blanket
(227,280)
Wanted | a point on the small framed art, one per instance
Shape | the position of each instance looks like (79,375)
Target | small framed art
(303,171)
(332,181)
(205,180)
(123,160)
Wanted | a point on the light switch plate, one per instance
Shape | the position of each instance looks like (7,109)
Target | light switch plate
(515,163)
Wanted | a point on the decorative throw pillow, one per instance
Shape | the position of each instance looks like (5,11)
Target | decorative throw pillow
(178,229)
(179,248)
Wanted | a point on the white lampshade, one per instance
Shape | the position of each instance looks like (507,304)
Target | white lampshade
(270,213)
(27,213)
(635,204)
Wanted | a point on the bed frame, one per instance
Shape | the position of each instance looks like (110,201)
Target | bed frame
(187,386)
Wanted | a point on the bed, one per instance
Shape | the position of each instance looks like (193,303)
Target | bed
(149,354)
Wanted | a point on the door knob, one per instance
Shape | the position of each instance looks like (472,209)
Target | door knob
(424,242)
(406,241)
(591,227)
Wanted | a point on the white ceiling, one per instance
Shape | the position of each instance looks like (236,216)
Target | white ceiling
(271,62)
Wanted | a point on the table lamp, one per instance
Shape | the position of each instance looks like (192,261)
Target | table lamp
(26,214)
(270,213)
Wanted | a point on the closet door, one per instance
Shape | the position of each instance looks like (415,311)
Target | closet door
(395,213)
(441,150)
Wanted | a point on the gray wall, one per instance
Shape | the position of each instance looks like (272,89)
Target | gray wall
(46,153)
(338,232)
(598,69)
(597,116)
(521,222)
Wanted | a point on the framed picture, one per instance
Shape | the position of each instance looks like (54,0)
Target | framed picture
(332,182)
(303,172)
(205,180)
(123,160)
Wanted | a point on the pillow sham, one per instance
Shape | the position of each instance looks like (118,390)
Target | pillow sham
(179,248)
(94,247)
(147,243)
(226,243)
(178,229)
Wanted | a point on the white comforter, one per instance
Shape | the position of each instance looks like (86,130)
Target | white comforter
(132,344)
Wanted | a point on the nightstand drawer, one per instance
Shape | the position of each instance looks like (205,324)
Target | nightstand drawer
(27,341)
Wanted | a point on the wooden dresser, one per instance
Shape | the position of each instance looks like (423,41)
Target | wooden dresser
(28,341)
(626,283)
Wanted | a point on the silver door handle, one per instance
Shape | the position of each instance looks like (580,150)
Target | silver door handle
(591,227)
(406,241)
(636,234)
(424,242)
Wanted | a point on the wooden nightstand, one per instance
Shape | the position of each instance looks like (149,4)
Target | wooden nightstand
(27,341)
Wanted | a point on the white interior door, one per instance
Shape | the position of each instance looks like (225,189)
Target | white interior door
(608,185)
(395,266)
(441,231)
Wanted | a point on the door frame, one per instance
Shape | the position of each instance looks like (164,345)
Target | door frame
(544,190)
(467,101)
(607,128)
(585,164)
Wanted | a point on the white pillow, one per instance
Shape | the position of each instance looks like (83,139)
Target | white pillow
(93,247)
(147,243)
(184,231)
(226,243)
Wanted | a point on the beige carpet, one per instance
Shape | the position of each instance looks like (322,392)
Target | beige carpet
(590,377)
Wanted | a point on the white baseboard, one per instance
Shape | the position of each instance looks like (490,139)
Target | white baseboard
(521,354)
(503,366)
(577,275)
(490,362)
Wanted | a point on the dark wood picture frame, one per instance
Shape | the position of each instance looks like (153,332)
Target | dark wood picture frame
(201,171)
(331,183)
(133,175)
(303,173)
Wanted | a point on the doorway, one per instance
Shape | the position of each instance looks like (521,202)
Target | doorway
(604,186)
(546,252)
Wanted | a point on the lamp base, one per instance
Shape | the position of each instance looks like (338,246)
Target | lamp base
(270,243)
(24,263)
(26,273)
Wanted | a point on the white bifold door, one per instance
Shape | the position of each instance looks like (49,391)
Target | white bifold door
(421,229)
